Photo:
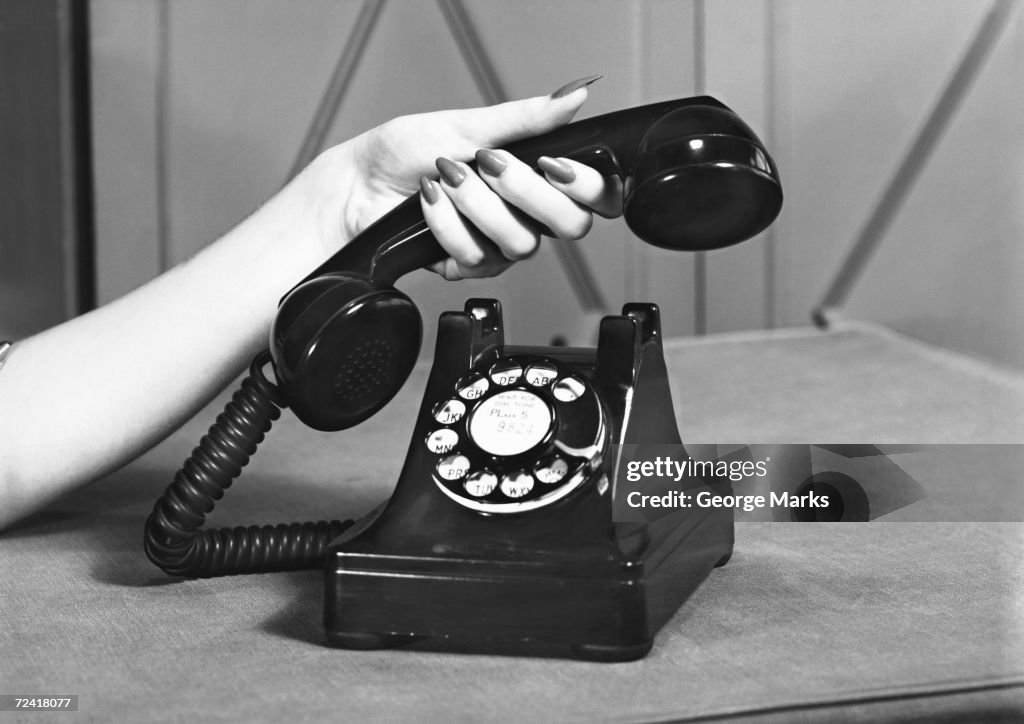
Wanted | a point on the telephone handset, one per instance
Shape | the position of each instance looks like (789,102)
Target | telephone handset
(503,506)
(695,177)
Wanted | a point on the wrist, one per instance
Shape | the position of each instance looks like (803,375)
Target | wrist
(327,189)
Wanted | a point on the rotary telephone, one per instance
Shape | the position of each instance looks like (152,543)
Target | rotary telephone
(499,535)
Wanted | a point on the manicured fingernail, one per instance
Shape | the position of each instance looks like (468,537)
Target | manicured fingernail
(575,86)
(490,162)
(429,190)
(557,169)
(452,174)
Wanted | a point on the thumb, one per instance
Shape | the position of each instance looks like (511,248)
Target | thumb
(498,125)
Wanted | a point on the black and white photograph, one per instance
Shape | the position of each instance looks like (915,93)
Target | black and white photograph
(512,361)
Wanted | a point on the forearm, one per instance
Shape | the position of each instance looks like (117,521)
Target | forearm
(83,398)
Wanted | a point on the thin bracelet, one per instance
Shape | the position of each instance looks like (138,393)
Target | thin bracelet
(5,350)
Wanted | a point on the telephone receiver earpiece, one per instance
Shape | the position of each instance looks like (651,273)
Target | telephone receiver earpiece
(695,178)
(700,180)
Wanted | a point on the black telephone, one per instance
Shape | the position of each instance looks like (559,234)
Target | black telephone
(499,535)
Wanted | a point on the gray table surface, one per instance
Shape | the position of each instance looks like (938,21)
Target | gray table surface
(814,622)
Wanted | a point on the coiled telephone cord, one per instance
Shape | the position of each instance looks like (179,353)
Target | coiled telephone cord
(174,540)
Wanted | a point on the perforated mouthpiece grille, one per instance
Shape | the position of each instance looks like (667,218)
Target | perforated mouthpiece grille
(365,370)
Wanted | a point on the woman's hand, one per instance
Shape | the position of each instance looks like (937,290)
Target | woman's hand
(485,219)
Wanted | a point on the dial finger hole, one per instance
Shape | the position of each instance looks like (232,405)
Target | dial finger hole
(506,372)
(516,485)
(481,483)
(449,411)
(453,467)
(540,375)
(568,389)
(473,388)
(442,441)
(552,471)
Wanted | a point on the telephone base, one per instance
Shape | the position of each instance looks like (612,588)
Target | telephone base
(594,604)
(456,562)
(597,653)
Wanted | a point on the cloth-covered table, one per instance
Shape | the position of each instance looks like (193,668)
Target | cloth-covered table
(809,621)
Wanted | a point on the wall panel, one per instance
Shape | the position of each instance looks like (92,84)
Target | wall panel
(125,48)
(859,78)
(244,78)
(45,227)
(736,48)
(951,269)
